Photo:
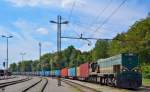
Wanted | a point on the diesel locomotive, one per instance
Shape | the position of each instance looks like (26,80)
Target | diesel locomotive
(121,71)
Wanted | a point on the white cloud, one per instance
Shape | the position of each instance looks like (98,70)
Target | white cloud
(43,31)
(45,3)
(31,3)
(69,3)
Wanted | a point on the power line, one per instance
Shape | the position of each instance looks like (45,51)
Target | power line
(71,12)
(107,19)
(99,14)
(72,9)
(97,17)
(91,24)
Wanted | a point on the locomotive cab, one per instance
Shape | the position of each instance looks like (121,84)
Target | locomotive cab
(130,75)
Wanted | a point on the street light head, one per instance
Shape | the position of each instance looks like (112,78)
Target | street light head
(3,36)
(53,22)
(40,44)
(10,36)
(7,36)
(22,53)
(65,22)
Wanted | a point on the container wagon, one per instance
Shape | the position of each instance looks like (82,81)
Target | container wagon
(64,72)
(78,72)
(47,73)
(52,73)
(57,73)
(84,71)
(72,73)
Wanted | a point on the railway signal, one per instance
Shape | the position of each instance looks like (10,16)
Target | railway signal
(4,64)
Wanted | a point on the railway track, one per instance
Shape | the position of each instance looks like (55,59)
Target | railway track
(37,86)
(7,78)
(80,87)
(2,85)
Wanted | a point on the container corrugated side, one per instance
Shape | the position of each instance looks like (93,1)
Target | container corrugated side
(84,70)
(72,72)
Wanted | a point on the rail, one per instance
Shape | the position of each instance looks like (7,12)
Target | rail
(36,83)
(80,87)
(2,85)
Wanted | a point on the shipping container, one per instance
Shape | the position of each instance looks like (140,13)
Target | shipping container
(78,71)
(64,72)
(84,70)
(42,73)
(52,73)
(72,72)
(47,73)
(38,72)
(57,73)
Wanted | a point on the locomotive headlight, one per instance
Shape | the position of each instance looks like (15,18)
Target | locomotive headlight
(136,69)
(124,69)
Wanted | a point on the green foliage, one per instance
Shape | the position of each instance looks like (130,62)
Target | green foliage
(135,40)
(145,69)
(13,67)
(100,50)
(145,82)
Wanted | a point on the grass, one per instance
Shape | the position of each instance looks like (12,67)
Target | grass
(146,82)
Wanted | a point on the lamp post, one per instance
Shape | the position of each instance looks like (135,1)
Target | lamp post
(59,23)
(7,58)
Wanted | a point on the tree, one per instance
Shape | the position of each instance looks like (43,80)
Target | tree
(100,50)
(13,67)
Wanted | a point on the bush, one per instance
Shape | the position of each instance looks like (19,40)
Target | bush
(145,69)
(146,75)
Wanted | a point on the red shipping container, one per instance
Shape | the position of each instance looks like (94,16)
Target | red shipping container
(84,70)
(64,72)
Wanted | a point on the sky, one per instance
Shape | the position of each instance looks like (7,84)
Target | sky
(28,22)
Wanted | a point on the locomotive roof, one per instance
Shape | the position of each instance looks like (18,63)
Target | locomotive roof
(110,58)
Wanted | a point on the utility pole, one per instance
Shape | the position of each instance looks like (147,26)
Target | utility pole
(7,37)
(52,62)
(40,46)
(22,57)
(59,23)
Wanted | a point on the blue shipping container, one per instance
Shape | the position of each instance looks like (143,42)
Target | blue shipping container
(57,73)
(47,73)
(52,73)
(72,72)
(42,73)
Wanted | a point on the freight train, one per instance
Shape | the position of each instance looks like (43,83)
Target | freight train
(121,71)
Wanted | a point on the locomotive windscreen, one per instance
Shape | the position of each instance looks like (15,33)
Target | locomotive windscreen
(130,61)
